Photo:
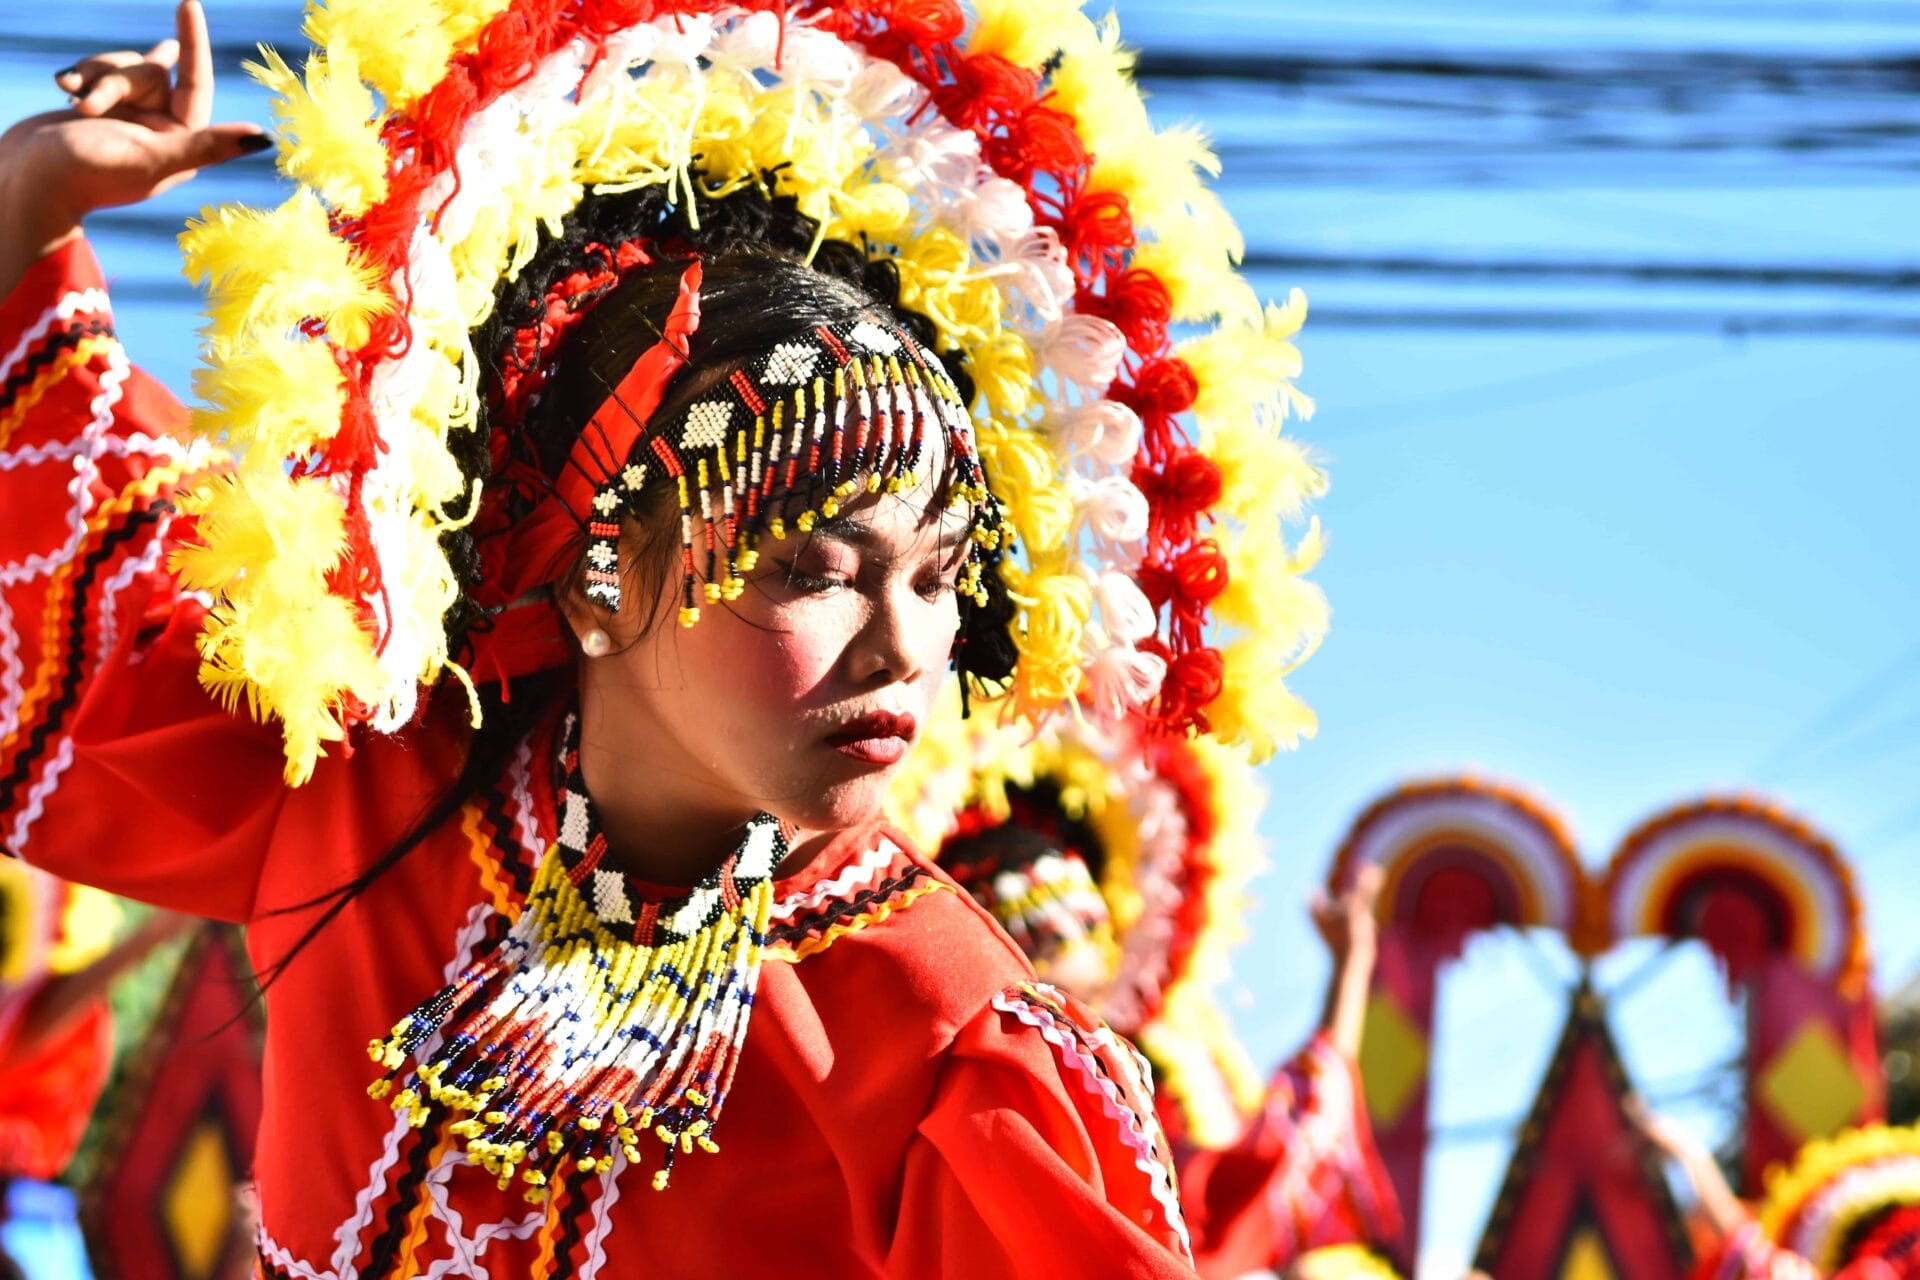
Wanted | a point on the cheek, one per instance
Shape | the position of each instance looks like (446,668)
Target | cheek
(766,669)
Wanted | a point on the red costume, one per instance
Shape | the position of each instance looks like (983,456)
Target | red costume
(910,1101)
(1303,1175)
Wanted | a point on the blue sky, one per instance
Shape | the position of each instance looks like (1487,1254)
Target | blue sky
(1625,562)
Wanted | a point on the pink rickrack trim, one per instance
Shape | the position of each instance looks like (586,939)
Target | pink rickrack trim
(1134,1129)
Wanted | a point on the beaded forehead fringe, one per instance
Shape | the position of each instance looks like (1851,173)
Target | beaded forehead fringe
(605,1013)
(795,434)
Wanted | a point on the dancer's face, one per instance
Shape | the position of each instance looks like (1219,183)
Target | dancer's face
(799,698)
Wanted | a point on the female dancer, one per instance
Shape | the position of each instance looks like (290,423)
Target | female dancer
(609,379)
(1848,1207)
(1116,861)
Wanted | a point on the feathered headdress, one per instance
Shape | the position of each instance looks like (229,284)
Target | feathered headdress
(1160,830)
(1836,1188)
(1001,162)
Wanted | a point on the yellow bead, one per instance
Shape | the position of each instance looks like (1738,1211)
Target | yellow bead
(689,614)
(713,593)
(806,521)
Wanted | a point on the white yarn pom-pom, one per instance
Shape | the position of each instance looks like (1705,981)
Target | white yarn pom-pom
(1084,350)
(1125,611)
(1121,678)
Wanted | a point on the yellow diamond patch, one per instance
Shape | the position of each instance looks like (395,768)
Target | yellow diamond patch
(1393,1059)
(1810,1088)
(1587,1259)
(198,1207)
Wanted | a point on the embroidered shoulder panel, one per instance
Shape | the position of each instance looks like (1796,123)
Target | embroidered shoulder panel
(882,882)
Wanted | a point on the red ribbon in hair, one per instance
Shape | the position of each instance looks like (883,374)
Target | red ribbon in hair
(529,635)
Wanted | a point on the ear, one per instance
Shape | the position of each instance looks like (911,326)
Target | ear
(584,615)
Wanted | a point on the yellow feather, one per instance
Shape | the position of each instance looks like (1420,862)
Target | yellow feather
(278,396)
(271,270)
(1255,708)
(1026,32)
(328,125)
(401,49)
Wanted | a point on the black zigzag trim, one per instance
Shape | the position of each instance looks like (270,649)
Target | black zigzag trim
(824,919)
(63,703)
(386,1246)
(573,1216)
(514,860)
(44,356)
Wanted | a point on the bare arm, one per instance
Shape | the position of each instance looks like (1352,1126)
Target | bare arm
(64,998)
(1717,1201)
(1346,924)
(135,128)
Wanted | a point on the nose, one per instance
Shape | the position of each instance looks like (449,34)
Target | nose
(897,641)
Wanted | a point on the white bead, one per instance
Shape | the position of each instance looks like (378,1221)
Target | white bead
(596,644)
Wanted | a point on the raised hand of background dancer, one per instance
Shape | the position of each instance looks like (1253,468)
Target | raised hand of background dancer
(1346,924)
(1717,1200)
(136,124)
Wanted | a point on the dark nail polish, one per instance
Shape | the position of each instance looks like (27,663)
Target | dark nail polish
(256,142)
(64,72)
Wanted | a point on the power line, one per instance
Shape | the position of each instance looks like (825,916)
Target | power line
(1766,275)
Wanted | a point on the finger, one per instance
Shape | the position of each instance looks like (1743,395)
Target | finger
(164,54)
(141,84)
(193,92)
(79,77)
(183,151)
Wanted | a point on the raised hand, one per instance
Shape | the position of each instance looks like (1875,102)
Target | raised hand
(1345,920)
(137,124)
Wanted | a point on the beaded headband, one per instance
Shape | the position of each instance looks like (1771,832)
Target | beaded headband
(792,434)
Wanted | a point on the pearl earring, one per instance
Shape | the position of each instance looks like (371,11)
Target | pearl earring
(595,643)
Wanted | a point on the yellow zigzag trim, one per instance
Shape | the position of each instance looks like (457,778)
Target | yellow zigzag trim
(480,850)
(880,912)
(50,377)
(407,1265)
(54,621)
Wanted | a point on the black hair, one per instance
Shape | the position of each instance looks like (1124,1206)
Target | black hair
(759,286)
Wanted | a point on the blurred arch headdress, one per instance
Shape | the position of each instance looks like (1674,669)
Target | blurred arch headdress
(1000,160)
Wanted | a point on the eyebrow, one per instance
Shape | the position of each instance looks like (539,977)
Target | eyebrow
(861,535)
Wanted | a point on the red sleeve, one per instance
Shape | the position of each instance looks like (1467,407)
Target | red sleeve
(1303,1175)
(47,1094)
(1039,1155)
(116,768)
(1747,1254)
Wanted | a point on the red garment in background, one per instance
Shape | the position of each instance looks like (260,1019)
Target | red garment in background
(47,1090)
(1304,1174)
(905,1105)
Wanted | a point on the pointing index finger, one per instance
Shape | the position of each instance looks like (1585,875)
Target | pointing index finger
(193,89)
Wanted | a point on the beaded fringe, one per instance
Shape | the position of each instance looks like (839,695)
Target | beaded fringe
(583,1031)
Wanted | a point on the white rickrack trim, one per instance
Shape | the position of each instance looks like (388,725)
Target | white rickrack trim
(13,672)
(861,874)
(133,444)
(130,568)
(602,1222)
(80,488)
(58,763)
(1132,1127)
(346,1237)
(73,303)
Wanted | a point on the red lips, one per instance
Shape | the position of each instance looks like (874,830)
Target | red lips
(880,738)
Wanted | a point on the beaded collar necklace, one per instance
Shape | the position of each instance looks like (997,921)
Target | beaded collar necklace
(607,1011)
